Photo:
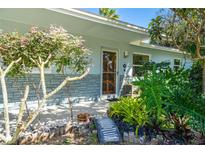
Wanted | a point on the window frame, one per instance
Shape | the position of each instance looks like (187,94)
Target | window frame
(134,65)
(180,63)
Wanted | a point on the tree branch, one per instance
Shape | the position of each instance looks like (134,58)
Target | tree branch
(185,18)
(202,11)
(10,65)
(2,137)
(68,79)
(47,60)
(1,71)
(35,62)
(20,125)
(43,101)
(22,104)
(42,76)
(39,58)
(198,40)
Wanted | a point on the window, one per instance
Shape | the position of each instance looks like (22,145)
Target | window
(177,64)
(138,61)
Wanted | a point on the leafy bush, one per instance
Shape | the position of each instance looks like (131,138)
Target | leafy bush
(153,86)
(195,77)
(168,91)
(130,110)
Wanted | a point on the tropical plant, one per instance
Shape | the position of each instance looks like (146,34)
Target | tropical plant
(195,77)
(109,13)
(130,110)
(153,86)
(182,29)
(20,53)
(182,97)
(172,91)
(182,128)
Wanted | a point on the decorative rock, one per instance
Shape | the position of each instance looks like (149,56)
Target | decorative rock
(62,129)
(35,138)
(68,128)
(125,136)
(94,131)
(160,139)
(131,137)
(27,139)
(57,131)
(142,139)
(44,136)
(154,141)
(42,132)
(52,133)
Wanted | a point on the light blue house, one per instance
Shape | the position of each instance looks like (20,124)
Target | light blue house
(118,51)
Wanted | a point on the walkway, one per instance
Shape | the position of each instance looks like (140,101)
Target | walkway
(61,112)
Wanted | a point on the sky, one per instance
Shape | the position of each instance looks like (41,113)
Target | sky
(137,16)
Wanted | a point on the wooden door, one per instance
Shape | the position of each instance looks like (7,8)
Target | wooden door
(109,73)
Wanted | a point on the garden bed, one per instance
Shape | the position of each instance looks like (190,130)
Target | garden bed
(59,132)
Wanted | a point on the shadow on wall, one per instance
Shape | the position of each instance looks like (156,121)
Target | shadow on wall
(87,89)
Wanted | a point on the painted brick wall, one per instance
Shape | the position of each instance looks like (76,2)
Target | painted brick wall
(87,89)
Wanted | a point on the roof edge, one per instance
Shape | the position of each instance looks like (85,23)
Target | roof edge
(100,19)
(146,45)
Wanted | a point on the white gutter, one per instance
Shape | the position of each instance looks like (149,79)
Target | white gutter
(101,20)
(146,45)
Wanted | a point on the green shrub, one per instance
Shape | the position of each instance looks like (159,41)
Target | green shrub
(195,77)
(131,110)
(166,91)
(154,89)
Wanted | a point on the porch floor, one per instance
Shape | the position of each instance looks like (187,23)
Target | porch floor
(60,112)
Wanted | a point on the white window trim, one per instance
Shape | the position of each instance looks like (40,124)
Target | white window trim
(179,64)
(141,54)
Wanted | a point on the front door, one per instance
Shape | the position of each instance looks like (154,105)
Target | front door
(109,73)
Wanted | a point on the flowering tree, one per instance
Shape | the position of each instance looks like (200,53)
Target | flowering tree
(38,48)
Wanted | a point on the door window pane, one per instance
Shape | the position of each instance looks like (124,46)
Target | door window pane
(109,73)
(109,62)
(109,82)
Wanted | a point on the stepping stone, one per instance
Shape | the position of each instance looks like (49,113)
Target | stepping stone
(107,131)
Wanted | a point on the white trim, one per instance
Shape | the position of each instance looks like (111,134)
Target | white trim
(102,20)
(151,46)
(142,53)
(180,65)
(106,96)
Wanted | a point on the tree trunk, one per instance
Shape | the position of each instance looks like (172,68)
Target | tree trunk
(33,115)
(203,78)
(43,82)
(71,110)
(6,112)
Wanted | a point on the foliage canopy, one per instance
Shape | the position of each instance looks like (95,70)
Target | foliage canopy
(55,45)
